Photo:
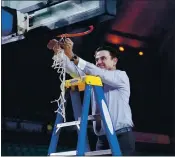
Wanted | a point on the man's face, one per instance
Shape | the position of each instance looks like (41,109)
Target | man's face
(105,61)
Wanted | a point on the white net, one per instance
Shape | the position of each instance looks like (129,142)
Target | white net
(59,64)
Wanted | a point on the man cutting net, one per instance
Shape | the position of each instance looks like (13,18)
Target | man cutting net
(116,90)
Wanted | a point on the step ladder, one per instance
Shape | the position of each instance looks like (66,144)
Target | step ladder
(86,84)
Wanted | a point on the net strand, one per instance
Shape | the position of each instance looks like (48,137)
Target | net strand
(59,64)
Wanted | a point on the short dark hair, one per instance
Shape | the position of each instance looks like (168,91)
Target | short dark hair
(113,51)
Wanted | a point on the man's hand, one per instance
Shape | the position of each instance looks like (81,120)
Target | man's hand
(67,45)
(54,45)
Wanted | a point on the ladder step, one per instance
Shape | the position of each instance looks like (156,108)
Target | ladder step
(99,152)
(68,124)
(64,153)
(92,153)
(90,117)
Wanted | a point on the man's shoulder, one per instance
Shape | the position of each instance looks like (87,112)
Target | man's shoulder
(121,71)
(122,74)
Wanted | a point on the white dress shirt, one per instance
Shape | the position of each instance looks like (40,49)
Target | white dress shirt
(116,91)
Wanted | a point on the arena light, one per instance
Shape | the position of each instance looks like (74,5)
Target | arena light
(141,53)
(121,48)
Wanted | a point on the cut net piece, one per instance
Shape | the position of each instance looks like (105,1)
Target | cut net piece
(59,64)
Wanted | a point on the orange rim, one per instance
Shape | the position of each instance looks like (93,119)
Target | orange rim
(91,28)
